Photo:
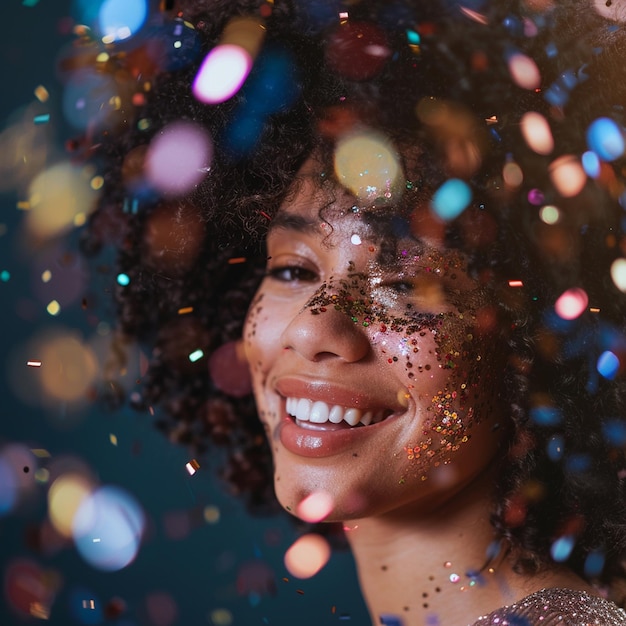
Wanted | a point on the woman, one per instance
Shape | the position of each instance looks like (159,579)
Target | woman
(415,207)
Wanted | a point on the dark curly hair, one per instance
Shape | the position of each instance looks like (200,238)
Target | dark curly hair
(562,477)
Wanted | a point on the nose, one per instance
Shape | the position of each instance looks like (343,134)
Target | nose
(326,335)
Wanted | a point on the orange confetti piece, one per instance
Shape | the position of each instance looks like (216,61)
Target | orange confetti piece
(192,467)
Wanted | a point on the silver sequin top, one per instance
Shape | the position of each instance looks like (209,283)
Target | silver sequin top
(564,607)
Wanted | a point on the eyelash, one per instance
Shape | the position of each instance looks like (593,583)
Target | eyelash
(291,273)
(401,286)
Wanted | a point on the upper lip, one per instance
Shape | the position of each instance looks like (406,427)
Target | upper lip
(331,393)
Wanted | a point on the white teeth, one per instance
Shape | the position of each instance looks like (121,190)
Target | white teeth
(303,409)
(319,413)
(336,414)
(366,419)
(352,416)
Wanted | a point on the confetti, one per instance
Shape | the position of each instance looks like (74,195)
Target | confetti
(42,119)
(549,214)
(123,280)
(536,132)
(591,164)
(222,74)
(307,556)
(41,453)
(571,304)
(606,139)
(64,497)
(178,158)
(594,564)
(608,364)
(192,467)
(367,164)
(196,355)
(568,175)
(562,548)
(315,507)
(114,516)
(33,363)
(211,514)
(58,195)
(618,274)
(41,93)
(451,199)
(121,19)
(185,310)
(53,308)
(358,50)
(524,71)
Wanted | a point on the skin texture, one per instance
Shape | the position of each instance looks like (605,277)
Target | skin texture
(348,315)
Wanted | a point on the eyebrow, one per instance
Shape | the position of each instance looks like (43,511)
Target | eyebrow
(294,221)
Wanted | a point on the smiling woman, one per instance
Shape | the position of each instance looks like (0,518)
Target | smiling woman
(409,234)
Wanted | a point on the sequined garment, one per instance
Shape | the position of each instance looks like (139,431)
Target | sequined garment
(564,607)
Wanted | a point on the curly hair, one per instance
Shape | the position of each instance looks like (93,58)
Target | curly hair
(562,478)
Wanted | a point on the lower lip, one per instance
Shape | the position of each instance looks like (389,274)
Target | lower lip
(316,444)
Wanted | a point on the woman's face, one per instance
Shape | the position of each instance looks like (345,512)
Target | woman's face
(373,376)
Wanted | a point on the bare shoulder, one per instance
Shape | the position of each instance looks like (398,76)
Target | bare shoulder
(566,607)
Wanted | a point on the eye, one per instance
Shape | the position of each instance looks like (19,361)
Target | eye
(291,274)
(402,286)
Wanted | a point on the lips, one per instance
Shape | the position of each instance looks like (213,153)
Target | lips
(322,419)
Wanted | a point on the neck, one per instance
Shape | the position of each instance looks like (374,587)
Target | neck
(434,567)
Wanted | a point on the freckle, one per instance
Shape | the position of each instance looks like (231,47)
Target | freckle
(438,589)
(354,454)
(424,595)
(383,567)
(405,608)
(425,605)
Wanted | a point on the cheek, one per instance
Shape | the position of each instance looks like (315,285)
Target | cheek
(259,336)
(452,375)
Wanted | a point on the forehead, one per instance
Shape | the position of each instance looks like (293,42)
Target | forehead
(322,210)
(316,202)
